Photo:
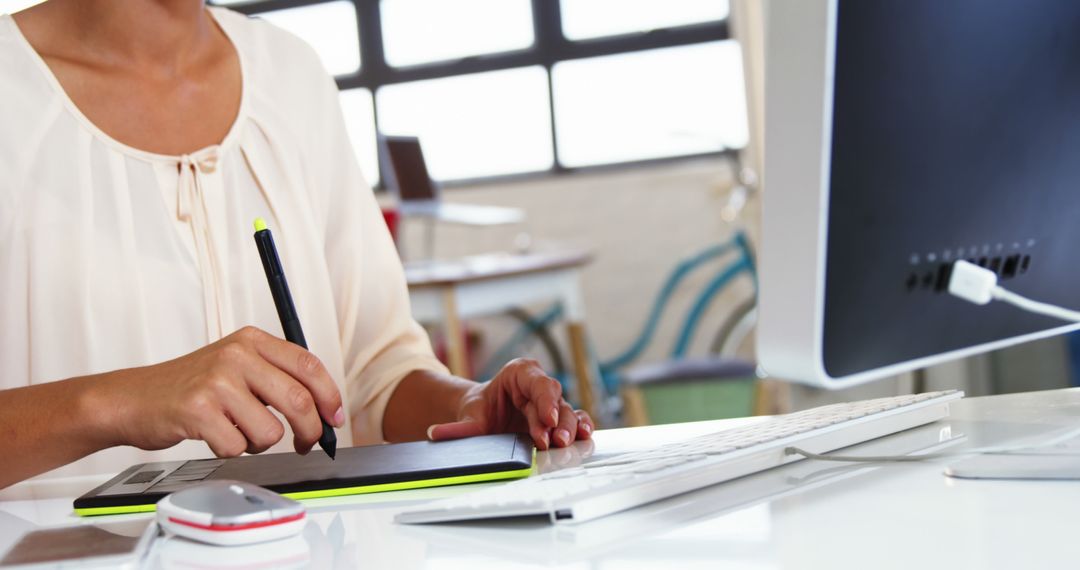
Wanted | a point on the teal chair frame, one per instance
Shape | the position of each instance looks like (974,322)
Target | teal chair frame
(741,262)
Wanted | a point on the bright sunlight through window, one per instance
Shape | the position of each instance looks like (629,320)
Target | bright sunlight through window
(483,124)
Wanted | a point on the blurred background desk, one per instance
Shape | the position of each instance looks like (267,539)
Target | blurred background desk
(806,515)
(448,291)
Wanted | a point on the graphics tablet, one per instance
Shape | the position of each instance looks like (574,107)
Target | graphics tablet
(357,470)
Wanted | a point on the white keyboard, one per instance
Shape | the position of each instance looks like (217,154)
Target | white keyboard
(626,481)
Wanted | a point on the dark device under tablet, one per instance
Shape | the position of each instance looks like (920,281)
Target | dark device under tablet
(357,470)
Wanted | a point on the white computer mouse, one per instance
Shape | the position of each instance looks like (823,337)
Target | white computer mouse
(230,513)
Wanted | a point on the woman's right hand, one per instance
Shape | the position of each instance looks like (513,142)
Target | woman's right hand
(219,394)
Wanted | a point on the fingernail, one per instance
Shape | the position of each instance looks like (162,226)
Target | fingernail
(339,417)
(430,430)
(554,415)
(547,443)
(563,436)
(588,429)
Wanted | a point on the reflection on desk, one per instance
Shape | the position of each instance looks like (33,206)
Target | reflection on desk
(805,515)
(311,550)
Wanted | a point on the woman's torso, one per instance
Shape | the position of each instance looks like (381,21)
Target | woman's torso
(112,257)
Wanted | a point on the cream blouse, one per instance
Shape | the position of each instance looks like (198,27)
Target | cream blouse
(111,257)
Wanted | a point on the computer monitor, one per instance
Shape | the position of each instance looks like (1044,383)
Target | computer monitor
(405,172)
(902,135)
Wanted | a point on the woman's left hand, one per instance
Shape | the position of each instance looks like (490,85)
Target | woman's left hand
(521,398)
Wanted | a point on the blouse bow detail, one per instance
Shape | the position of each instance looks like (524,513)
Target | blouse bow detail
(199,188)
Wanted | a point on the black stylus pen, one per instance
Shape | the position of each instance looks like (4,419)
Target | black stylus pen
(290,321)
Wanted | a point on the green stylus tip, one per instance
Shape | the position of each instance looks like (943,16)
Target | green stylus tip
(260,224)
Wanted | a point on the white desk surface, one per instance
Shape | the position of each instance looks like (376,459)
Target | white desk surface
(805,515)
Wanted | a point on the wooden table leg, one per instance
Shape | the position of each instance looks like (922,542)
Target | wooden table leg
(634,411)
(582,369)
(455,336)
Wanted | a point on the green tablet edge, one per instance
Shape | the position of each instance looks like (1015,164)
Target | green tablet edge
(362,490)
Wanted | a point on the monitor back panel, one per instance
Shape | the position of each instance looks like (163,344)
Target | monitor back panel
(955,135)
(902,136)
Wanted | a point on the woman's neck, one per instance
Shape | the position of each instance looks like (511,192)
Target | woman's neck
(156,36)
(156,75)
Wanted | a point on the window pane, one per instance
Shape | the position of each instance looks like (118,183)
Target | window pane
(651,104)
(330,28)
(583,19)
(483,124)
(422,31)
(359,110)
(12,6)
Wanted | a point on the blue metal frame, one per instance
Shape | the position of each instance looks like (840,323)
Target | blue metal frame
(743,262)
(508,350)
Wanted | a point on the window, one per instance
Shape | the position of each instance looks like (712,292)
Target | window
(330,28)
(475,125)
(606,112)
(424,31)
(359,110)
(501,87)
(585,19)
(12,6)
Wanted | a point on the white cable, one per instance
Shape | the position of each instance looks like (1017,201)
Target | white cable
(979,285)
(1019,301)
